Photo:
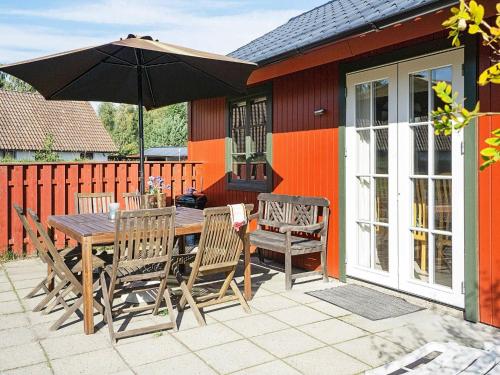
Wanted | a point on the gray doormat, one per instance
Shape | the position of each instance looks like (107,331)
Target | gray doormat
(368,303)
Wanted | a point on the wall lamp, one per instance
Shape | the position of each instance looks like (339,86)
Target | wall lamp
(319,112)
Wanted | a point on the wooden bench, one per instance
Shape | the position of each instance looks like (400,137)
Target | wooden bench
(292,225)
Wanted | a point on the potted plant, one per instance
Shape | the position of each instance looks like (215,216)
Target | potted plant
(156,197)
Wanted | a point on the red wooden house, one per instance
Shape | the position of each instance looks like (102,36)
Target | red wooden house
(340,107)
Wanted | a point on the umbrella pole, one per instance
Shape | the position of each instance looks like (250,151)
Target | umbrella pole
(141,128)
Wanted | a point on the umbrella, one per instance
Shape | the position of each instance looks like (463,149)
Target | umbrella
(135,70)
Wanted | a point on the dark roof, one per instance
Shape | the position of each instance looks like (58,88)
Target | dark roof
(333,20)
(27,118)
(167,151)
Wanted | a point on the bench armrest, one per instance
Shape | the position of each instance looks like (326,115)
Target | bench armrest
(254,216)
(302,228)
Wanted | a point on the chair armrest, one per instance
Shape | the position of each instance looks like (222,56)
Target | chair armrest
(302,228)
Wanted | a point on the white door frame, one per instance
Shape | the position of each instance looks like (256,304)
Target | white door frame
(400,239)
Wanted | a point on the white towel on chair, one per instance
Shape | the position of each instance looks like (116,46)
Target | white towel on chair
(238,215)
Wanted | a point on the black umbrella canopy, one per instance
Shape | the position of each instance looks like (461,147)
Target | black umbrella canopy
(135,70)
(170,74)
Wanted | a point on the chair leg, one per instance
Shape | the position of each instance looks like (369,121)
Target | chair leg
(323,266)
(107,308)
(186,295)
(40,285)
(75,306)
(51,295)
(261,255)
(242,299)
(59,300)
(170,308)
(288,270)
(159,297)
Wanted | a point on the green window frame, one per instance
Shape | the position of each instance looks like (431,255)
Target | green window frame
(249,141)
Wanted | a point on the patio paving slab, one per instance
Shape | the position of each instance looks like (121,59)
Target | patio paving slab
(256,325)
(205,337)
(373,350)
(287,342)
(16,336)
(326,361)
(21,356)
(11,307)
(13,321)
(299,297)
(104,361)
(8,296)
(227,312)
(187,364)
(272,368)
(332,331)
(153,348)
(272,303)
(299,315)
(5,286)
(234,356)
(65,346)
(328,308)
(39,369)
(373,326)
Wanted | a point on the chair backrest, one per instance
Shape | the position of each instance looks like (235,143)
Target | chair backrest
(93,203)
(59,265)
(276,210)
(133,201)
(39,246)
(220,244)
(144,237)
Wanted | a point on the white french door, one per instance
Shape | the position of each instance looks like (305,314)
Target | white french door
(404,184)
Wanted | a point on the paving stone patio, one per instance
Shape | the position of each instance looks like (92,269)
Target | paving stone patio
(286,333)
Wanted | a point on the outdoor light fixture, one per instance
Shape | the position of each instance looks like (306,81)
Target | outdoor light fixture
(319,112)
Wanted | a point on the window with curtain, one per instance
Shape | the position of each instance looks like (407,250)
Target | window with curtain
(249,134)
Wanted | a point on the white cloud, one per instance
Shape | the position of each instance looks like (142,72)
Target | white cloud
(187,23)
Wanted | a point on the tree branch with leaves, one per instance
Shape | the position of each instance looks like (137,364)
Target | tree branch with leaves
(469,17)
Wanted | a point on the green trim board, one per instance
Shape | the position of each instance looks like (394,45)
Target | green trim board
(257,186)
(470,157)
(471,280)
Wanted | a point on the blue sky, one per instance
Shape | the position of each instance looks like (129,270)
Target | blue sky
(33,28)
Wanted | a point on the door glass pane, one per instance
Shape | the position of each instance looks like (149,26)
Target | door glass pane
(363,152)
(363,107)
(420,206)
(442,155)
(381,248)
(381,199)
(381,151)
(442,205)
(420,256)
(258,165)
(363,198)
(381,102)
(419,97)
(438,75)
(238,121)
(420,147)
(443,260)
(364,248)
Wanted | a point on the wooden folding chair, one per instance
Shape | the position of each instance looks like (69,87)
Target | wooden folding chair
(143,250)
(93,203)
(69,284)
(45,257)
(133,201)
(219,251)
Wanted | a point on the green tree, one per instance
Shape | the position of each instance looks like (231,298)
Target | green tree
(11,83)
(469,17)
(166,126)
(47,152)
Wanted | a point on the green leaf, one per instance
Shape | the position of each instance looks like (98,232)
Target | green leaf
(489,151)
(493,141)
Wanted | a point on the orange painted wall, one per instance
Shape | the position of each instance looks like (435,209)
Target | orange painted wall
(304,146)
(489,208)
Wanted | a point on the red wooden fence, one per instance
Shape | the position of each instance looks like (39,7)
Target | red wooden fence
(49,188)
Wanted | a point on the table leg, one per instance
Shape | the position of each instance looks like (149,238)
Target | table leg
(88,288)
(181,242)
(50,284)
(248,271)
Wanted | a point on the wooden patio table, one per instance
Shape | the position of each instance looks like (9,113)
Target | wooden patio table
(96,229)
